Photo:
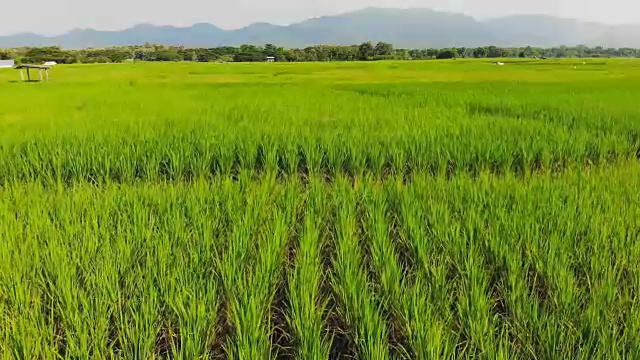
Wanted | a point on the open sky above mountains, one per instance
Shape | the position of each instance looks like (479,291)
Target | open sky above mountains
(52,18)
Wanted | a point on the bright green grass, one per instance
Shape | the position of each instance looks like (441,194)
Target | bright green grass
(417,210)
(124,123)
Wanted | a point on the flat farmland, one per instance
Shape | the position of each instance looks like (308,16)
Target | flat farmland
(381,210)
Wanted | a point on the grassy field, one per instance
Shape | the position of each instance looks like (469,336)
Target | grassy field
(388,210)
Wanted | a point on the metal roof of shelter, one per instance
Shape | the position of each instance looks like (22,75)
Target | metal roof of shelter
(29,66)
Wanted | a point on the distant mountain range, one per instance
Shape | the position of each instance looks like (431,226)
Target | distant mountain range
(411,28)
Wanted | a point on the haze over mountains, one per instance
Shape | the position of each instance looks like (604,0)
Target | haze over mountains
(410,28)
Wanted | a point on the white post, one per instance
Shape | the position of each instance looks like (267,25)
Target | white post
(21,74)
(40,74)
(47,72)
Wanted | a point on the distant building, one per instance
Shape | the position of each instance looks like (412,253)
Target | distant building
(271,58)
(7,64)
(50,63)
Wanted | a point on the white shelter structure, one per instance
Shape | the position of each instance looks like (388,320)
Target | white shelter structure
(271,58)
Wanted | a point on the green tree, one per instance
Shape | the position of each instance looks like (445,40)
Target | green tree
(494,52)
(447,54)
(462,51)
(270,50)
(383,49)
(53,53)
(249,53)
(366,51)
(207,55)
(480,52)
(167,55)
(401,54)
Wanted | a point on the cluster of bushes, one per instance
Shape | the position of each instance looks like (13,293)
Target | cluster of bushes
(251,53)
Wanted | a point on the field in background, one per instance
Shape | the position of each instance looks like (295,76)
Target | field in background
(388,210)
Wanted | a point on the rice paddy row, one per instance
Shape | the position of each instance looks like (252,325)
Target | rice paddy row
(185,157)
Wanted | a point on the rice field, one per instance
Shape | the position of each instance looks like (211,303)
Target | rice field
(388,210)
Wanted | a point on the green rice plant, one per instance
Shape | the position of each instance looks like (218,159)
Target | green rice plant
(251,271)
(384,258)
(308,305)
(191,293)
(358,307)
(429,296)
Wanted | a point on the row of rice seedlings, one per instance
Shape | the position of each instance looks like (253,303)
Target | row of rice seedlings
(127,276)
(251,267)
(177,270)
(632,323)
(628,256)
(518,286)
(189,284)
(387,270)
(548,276)
(500,312)
(477,307)
(429,296)
(26,331)
(584,266)
(353,290)
(85,270)
(187,154)
(598,234)
(232,265)
(307,303)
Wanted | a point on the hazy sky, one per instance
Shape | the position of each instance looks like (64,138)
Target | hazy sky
(58,16)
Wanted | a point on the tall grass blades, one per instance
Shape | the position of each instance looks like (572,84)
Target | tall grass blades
(308,304)
(358,306)
(384,260)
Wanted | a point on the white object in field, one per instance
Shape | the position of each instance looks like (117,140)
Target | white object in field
(50,63)
(271,59)
(498,63)
(7,64)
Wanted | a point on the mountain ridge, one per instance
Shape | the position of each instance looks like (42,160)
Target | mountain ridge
(411,28)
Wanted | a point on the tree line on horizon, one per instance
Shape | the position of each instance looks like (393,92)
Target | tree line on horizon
(250,53)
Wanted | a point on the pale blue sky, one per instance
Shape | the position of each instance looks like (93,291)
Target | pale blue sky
(59,16)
